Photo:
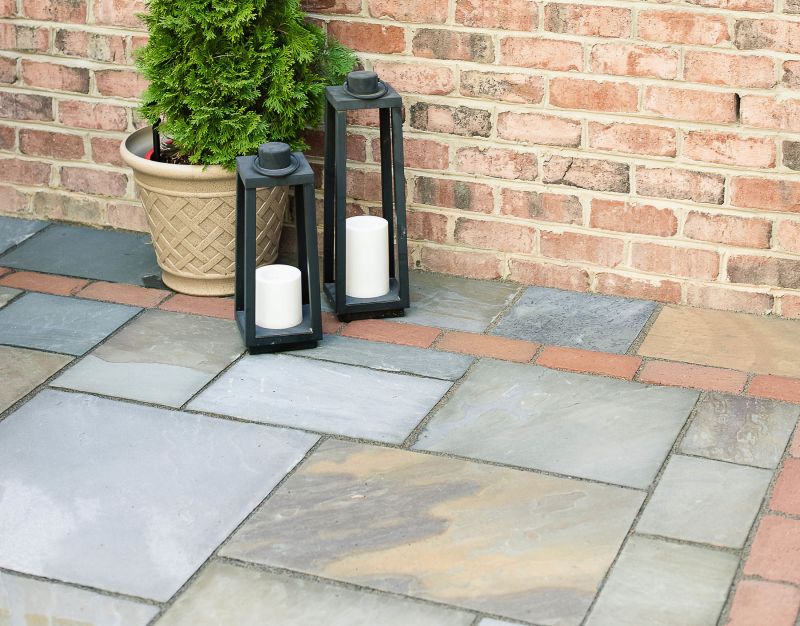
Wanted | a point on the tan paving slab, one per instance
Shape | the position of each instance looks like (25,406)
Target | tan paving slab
(765,345)
(516,544)
(21,370)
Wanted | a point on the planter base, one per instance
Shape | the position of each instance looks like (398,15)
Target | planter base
(198,286)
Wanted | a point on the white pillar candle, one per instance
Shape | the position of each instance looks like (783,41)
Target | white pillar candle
(279,297)
(367,256)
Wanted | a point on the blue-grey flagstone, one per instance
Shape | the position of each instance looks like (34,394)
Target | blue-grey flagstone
(321,396)
(579,320)
(14,231)
(390,357)
(125,497)
(60,324)
(588,426)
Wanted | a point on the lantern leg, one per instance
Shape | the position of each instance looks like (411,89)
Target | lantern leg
(329,210)
(239,284)
(386,181)
(307,240)
(341,211)
(250,266)
(400,205)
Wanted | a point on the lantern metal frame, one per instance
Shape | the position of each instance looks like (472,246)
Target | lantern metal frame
(393,202)
(248,182)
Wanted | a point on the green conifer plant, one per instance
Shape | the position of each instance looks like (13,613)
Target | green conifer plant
(227,75)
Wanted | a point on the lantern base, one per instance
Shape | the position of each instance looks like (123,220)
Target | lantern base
(388,305)
(299,337)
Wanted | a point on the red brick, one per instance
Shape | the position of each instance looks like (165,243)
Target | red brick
(120,83)
(4,271)
(49,144)
(588,20)
(574,360)
(541,53)
(428,11)
(86,115)
(119,12)
(13,200)
(488,346)
(356,145)
(196,305)
(582,247)
(789,236)
(127,217)
(674,261)
(791,74)
(57,77)
(786,493)
(123,294)
(727,299)
(454,194)
(95,46)
(533,128)
(586,173)
(764,270)
(634,60)
(500,14)
(20,106)
(55,10)
(766,193)
(427,226)
(98,182)
(508,87)
(448,120)
(776,388)
(425,154)
(368,37)
(729,149)
(106,150)
(432,43)
(738,5)
(760,602)
(497,163)
(548,275)
(769,112)
(694,376)
(790,306)
(392,332)
(24,38)
(8,137)
(45,283)
(683,27)
(680,185)
(493,235)
(548,207)
(629,217)
(8,70)
(716,68)
(778,35)
(362,185)
(462,263)
(629,287)
(690,104)
(332,7)
(573,93)
(24,172)
(417,77)
(633,138)
(732,230)
(330,323)
(775,552)
(8,8)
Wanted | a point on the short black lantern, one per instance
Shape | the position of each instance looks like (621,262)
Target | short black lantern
(277,166)
(363,90)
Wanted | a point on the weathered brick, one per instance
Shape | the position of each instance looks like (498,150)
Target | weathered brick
(548,275)
(533,128)
(427,226)
(50,144)
(425,11)
(119,12)
(334,7)
(454,194)
(680,184)
(99,47)
(634,60)
(729,149)
(8,137)
(790,307)
(120,83)
(683,27)
(548,207)
(55,10)
(21,106)
(98,182)
(690,104)
(62,206)
(432,43)
(461,120)
(737,5)
(629,217)
(586,173)
(749,232)
(675,261)
(8,70)
(356,145)
(417,77)
(733,70)
(764,270)
(582,247)
(472,264)
(630,287)
(791,74)
(127,216)
(587,19)
(545,54)
(89,115)
(493,235)
(33,173)
(13,200)
(768,112)
(424,154)
(106,150)
(502,14)
(573,93)
(520,88)
(368,37)
(765,193)
(789,236)
(768,34)
(363,185)
(791,154)
(633,138)
(57,77)
(727,299)
(24,38)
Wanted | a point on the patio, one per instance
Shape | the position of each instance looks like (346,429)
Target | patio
(502,455)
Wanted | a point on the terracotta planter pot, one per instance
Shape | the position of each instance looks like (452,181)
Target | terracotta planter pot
(191,211)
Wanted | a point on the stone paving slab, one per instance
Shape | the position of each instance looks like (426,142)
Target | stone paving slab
(87,253)
(390,357)
(128,498)
(30,602)
(600,428)
(664,584)
(765,345)
(14,231)
(23,370)
(705,501)
(163,358)
(750,431)
(324,397)
(230,595)
(517,544)
(576,320)
(7,294)
(60,324)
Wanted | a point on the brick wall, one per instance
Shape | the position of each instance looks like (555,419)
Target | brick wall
(638,148)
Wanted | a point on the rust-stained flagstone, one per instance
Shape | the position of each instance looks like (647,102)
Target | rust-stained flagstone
(518,544)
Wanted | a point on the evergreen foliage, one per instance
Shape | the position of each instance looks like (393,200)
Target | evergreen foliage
(228,75)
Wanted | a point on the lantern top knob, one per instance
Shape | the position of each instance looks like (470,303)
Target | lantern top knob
(364,85)
(275,159)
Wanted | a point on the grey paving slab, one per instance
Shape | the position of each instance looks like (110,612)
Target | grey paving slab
(324,397)
(664,584)
(586,426)
(232,595)
(7,294)
(750,431)
(390,357)
(705,501)
(579,320)
(60,324)
(25,601)
(86,252)
(515,544)
(23,370)
(160,357)
(489,621)
(14,231)
(126,497)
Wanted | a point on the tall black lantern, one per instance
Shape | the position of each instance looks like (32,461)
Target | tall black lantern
(363,90)
(276,166)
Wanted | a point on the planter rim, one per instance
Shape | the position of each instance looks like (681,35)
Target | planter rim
(138,143)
